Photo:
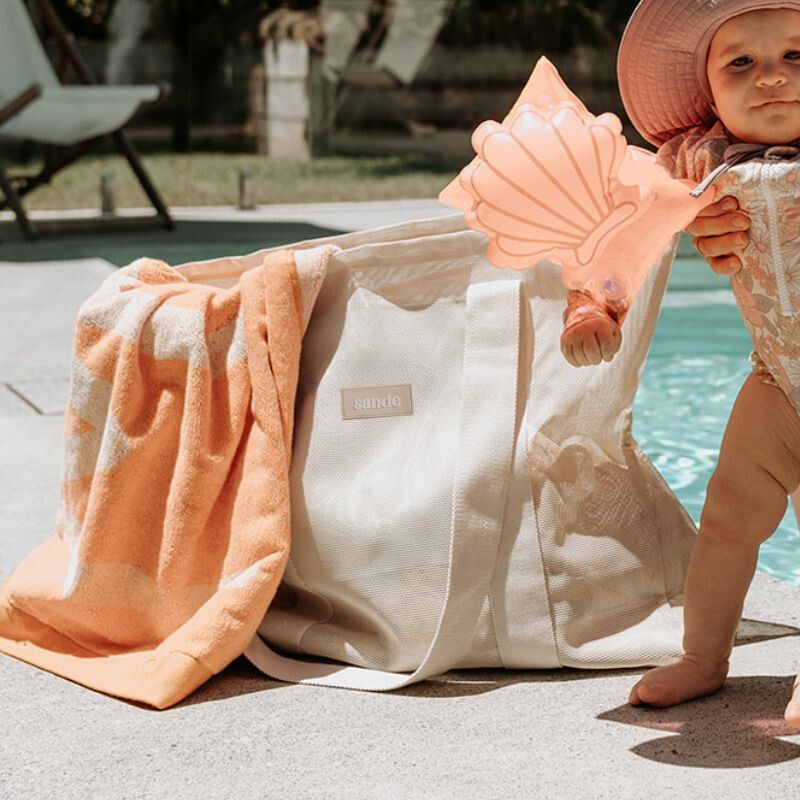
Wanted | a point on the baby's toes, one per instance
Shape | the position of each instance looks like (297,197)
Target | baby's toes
(792,713)
(656,694)
(650,691)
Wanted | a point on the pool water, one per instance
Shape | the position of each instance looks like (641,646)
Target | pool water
(697,363)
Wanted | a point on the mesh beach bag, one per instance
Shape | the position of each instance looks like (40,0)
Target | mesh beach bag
(462,496)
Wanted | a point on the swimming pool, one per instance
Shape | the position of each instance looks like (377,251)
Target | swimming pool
(697,363)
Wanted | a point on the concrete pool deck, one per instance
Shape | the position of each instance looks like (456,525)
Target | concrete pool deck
(468,734)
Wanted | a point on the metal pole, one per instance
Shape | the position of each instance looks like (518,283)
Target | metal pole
(247,190)
(108,200)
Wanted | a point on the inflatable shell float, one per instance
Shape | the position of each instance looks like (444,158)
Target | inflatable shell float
(555,182)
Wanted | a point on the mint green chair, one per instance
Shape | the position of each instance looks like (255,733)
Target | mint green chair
(67,120)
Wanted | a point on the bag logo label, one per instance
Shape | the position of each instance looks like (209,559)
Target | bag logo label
(377,401)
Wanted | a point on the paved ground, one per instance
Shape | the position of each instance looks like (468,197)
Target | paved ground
(486,734)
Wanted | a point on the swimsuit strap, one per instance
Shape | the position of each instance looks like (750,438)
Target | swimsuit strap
(746,151)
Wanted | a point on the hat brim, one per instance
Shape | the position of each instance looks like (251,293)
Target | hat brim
(661,62)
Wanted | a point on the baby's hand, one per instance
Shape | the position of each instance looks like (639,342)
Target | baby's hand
(590,334)
(720,233)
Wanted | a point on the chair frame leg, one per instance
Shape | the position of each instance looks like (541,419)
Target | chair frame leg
(53,164)
(61,158)
(13,199)
(127,149)
(56,158)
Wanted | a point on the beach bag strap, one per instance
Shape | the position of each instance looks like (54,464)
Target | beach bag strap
(487,432)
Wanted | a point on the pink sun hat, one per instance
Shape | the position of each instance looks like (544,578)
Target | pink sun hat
(661,68)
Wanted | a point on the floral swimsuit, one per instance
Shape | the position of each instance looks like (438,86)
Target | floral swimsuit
(767,288)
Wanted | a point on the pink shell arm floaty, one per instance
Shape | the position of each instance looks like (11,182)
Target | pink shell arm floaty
(555,182)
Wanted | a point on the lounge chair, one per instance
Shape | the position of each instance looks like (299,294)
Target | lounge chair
(68,121)
(390,56)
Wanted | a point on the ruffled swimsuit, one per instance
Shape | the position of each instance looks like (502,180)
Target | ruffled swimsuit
(766,183)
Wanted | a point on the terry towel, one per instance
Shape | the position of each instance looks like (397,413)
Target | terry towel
(173,524)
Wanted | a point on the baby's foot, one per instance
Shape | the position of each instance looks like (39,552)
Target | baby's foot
(677,683)
(792,713)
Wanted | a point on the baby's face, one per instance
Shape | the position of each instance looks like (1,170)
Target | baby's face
(753,69)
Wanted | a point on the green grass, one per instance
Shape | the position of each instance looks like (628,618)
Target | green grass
(211,179)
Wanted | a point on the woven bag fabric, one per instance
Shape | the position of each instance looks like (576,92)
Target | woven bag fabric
(556,544)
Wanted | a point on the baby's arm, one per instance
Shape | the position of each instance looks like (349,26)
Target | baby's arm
(591,330)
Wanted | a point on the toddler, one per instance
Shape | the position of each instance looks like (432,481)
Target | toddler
(715,84)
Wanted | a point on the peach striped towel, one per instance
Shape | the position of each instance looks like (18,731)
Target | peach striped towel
(173,526)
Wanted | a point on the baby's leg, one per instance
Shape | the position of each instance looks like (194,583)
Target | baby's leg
(796,505)
(758,467)
(792,713)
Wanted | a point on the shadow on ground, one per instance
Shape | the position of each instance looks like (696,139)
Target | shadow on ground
(243,678)
(734,729)
(752,631)
(190,241)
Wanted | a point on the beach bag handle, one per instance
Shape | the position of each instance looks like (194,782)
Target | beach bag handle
(487,432)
